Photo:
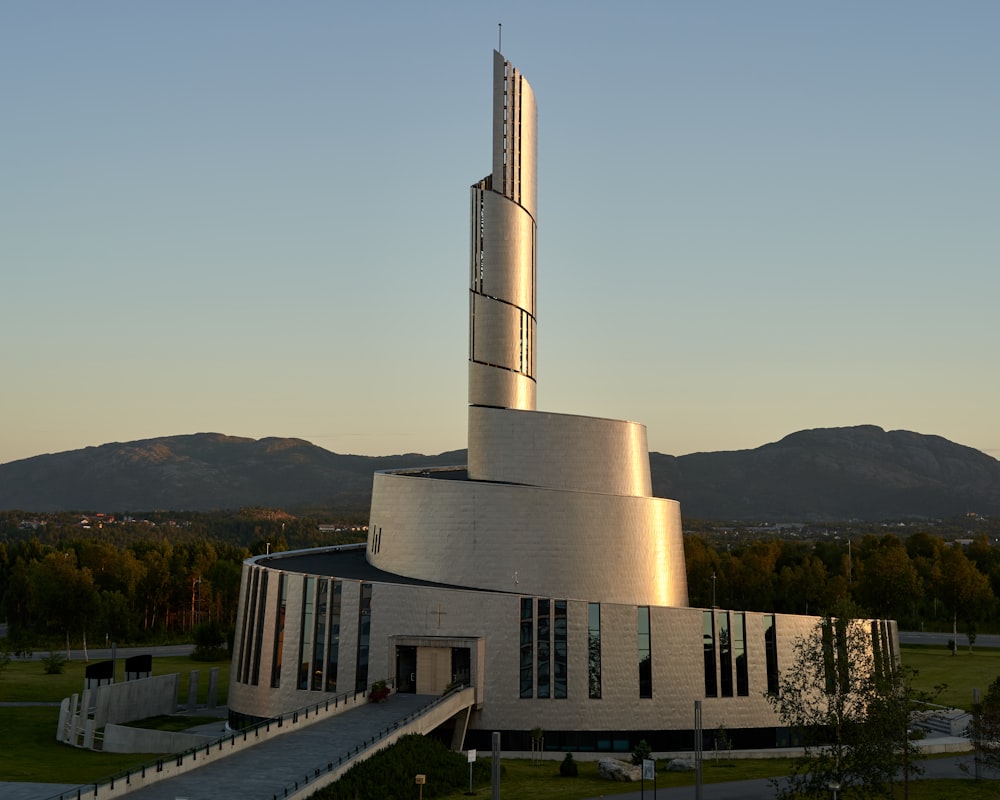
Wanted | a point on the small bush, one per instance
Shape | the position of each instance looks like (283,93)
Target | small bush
(642,751)
(568,767)
(209,642)
(54,664)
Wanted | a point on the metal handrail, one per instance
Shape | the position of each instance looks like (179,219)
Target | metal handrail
(368,744)
(156,764)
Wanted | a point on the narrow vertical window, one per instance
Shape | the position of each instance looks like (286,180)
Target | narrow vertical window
(645,654)
(279,632)
(559,649)
(878,658)
(527,650)
(364,637)
(247,615)
(249,621)
(771,654)
(594,650)
(259,629)
(333,645)
(543,648)
(708,643)
(887,651)
(319,633)
(740,654)
(725,655)
(306,633)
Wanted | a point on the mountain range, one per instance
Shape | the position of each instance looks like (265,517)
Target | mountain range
(861,472)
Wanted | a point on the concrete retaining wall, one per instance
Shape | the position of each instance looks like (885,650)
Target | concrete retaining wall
(123,739)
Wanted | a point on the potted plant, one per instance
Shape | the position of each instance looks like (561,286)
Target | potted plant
(379,692)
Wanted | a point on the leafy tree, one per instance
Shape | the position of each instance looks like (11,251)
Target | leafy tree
(828,696)
(64,595)
(963,589)
(888,584)
(898,703)
(985,728)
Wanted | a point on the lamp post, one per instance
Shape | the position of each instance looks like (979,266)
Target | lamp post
(713,591)
(834,787)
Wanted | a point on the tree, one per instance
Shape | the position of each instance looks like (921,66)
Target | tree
(64,595)
(985,728)
(828,696)
(963,589)
(897,703)
(889,583)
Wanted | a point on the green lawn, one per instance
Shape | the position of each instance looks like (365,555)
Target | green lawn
(962,673)
(28,748)
(524,780)
(26,681)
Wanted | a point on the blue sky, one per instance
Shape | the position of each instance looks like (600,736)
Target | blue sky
(251,218)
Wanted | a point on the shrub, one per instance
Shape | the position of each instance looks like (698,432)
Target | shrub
(209,642)
(568,767)
(53,663)
(642,751)
(388,775)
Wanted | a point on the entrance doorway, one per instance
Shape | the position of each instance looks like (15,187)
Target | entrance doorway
(406,669)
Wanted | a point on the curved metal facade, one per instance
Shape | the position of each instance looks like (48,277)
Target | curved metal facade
(502,279)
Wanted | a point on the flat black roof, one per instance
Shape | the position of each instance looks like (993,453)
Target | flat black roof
(350,564)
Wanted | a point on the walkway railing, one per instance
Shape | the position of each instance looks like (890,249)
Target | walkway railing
(169,766)
(332,770)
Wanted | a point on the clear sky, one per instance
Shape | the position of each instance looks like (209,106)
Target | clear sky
(252,217)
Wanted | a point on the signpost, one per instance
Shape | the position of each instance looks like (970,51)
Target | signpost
(648,773)
(420,780)
(472,760)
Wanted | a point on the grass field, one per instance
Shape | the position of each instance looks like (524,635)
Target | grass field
(28,747)
(961,673)
(523,780)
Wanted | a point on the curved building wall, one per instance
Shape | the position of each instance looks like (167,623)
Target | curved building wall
(579,671)
(619,548)
(559,451)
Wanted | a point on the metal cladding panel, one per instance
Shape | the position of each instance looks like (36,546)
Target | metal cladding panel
(558,451)
(622,549)
(497,334)
(515,135)
(491,386)
(509,253)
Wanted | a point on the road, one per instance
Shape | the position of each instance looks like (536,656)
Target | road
(919,637)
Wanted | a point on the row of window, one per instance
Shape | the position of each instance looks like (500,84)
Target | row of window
(724,642)
(319,632)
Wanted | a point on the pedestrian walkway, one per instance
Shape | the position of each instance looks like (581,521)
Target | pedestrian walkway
(267,769)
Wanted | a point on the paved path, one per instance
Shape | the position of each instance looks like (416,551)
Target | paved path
(264,770)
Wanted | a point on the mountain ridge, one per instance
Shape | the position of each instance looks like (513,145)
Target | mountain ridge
(859,472)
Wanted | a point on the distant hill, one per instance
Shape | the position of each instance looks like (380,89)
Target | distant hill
(862,472)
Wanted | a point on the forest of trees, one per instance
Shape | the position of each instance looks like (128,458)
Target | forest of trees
(132,581)
(153,579)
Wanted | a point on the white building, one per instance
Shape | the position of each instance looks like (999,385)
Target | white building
(543,572)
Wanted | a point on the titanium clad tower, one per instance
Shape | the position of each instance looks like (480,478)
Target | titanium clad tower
(550,504)
(502,286)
